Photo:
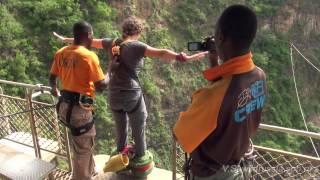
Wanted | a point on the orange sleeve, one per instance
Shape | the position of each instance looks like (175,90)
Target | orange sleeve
(200,119)
(96,73)
(55,68)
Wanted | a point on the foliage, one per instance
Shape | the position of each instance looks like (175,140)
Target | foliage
(27,47)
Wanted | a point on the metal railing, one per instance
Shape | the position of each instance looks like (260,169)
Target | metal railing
(269,163)
(33,124)
(290,131)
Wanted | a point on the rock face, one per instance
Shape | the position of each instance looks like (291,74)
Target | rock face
(294,13)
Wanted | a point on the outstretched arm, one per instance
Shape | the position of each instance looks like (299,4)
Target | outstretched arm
(62,38)
(197,56)
(168,55)
(96,43)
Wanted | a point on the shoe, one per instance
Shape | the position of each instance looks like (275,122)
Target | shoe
(141,161)
(142,166)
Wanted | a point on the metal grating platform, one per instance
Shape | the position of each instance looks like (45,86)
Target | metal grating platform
(20,166)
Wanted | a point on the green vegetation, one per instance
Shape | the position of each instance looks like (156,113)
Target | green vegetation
(27,47)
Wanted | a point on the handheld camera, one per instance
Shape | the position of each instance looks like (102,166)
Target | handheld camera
(207,44)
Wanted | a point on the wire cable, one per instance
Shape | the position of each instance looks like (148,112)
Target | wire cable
(298,97)
(318,69)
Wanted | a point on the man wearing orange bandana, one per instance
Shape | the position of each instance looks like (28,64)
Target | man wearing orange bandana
(217,127)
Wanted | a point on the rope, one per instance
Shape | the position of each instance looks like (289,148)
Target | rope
(298,97)
(318,69)
(25,111)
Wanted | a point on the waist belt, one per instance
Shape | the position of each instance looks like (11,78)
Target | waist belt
(73,98)
(70,97)
(188,163)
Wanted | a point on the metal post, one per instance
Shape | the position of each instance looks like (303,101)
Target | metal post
(174,159)
(5,123)
(33,124)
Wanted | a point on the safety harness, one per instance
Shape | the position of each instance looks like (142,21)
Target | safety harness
(116,62)
(244,161)
(117,45)
(72,99)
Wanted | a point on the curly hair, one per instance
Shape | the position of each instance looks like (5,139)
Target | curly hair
(132,26)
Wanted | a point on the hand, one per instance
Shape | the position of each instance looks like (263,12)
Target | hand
(213,58)
(55,92)
(62,38)
(196,57)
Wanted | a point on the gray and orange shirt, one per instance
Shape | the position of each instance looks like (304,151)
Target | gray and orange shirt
(124,91)
(223,116)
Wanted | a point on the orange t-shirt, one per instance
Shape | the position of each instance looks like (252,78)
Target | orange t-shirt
(78,68)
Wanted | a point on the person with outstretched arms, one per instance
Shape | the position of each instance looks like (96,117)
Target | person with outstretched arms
(125,96)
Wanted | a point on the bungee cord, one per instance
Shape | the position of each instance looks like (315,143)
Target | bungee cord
(297,93)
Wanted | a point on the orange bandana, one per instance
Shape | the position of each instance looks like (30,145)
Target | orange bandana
(201,118)
(237,65)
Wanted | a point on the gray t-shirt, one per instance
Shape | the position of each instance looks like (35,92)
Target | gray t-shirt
(123,85)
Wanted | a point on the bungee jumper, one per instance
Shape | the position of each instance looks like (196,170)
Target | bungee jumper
(125,95)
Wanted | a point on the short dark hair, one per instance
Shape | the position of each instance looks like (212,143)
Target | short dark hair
(80,29)
(132,26)
(239,23)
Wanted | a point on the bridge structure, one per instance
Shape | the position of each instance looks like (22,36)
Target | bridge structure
(35,145)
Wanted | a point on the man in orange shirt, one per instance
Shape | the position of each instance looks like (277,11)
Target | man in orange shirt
(80,74)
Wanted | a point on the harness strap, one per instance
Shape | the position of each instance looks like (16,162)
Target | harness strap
(187,166)
(69,112)
(58,106)
(115,52)
(75,131)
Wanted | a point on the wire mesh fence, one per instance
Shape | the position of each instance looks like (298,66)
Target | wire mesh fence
(275,164)
(268,164)
(59,174)
(12,121)
(32,127)
(15,125)
(48,127)
(17,118)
